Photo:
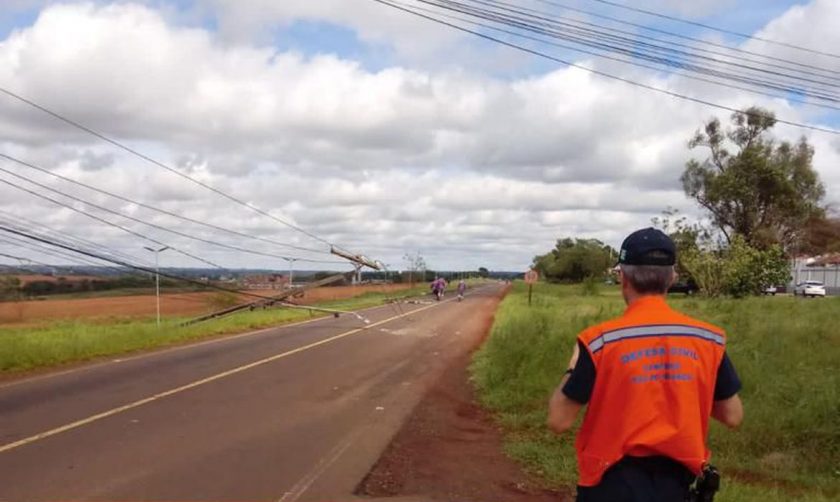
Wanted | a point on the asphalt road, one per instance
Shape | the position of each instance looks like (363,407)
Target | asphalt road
(299,412)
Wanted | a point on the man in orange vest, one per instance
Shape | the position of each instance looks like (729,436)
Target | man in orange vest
(650,380)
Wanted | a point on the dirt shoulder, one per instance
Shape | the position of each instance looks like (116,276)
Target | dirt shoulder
(450,449)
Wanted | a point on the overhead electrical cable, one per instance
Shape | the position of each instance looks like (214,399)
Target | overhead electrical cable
(634,41)
(634,63)
(627,47)
(153,225)
(698,41)
(177,172)
(91,254)
(591,70)
(22,259)
(55,253)
(107,222)
(157,209)
(717,29)
(12,219)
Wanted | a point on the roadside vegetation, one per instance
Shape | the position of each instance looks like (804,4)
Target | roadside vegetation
(786,350)
(61,342)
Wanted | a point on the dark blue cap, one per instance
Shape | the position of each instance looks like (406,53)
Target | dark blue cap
(648,246)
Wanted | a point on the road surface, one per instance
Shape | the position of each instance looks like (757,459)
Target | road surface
(299,412)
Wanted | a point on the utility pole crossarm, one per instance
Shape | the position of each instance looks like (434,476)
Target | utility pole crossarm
(359,260)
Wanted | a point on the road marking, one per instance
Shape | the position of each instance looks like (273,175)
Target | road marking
(323,464)
(197,383)
(166,350)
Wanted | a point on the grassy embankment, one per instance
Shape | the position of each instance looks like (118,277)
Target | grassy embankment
(60,342)
(786,350)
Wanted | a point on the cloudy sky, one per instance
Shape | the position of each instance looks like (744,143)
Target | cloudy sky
(362,125)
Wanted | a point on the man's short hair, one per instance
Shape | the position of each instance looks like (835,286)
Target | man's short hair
(649,279)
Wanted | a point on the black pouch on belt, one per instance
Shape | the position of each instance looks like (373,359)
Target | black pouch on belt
(705,486)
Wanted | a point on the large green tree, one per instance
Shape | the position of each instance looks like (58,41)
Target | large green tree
(752,185)
(573,260)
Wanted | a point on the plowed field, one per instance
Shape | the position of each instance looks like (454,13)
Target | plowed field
(182,304)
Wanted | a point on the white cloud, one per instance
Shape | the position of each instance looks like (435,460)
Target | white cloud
(470,169)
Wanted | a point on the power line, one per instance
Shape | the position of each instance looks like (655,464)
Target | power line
(142,222)
(592,70)
(148,270)
(157,209)
(667,62)
(685,37)
(601,40)
(11,219)
(109,223)
(22,259)
(55,253)
(632,39)
(58,253)
(715,28)
(140,155)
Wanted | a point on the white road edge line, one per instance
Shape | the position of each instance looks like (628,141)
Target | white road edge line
(164,350)
(197,383)
(323,464)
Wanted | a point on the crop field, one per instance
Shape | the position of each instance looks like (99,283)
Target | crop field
(52,342)
(786,351)
(136,305)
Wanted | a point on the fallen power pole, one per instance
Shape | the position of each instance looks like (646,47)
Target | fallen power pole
(358,262)
(268,302)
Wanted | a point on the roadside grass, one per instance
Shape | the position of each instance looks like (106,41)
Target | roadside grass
(63,342)
(785,349)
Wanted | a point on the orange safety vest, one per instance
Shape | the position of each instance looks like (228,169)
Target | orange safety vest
(654,388)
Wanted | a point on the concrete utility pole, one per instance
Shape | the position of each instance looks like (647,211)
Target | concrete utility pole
(358,261)
(291,270)
(157,277)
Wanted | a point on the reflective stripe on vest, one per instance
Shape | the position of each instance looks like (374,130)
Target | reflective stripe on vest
(653,330)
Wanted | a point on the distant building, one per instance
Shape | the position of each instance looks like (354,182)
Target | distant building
(265,281)
(829,260)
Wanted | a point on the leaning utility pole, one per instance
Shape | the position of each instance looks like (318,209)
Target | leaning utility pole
(358,261)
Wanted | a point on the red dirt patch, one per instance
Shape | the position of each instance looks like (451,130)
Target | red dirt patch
(450,449)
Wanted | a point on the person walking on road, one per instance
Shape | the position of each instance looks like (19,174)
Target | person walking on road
(650,380)
(438,287)
(462,288)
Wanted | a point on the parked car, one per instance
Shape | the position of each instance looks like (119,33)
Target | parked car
(770,290)
(810,288)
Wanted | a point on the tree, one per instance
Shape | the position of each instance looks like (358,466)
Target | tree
(483,272)
(9,287)
(763,191)
(573,260)
(416,267)
(821,235)
(738,269)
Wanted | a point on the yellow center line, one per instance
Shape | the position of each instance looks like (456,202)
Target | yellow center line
(197,383)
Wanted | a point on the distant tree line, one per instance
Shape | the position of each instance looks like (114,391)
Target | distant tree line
(11,287)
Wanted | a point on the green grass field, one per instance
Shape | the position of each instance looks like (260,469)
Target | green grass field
(786,351)
(72,341)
